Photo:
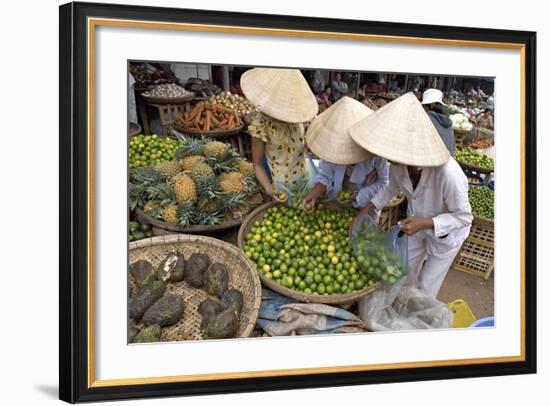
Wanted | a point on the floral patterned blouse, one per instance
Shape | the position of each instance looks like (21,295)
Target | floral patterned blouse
(284,149)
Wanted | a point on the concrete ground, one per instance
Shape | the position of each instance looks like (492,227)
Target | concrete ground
(476,291)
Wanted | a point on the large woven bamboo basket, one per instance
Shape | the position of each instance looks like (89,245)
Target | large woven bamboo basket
(211,134)
(242,276)
(474,168)
(257,215)
(162,228)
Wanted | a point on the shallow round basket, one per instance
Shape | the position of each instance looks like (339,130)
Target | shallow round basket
(212,134)
(196,229)
(474,168)
(242,276)
(458,131)
(166,100)
(248,223)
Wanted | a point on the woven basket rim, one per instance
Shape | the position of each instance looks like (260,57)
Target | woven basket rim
(484,221)
(294,294)
(213,134)
(191,229)
(173,100)
(183,238)
(474,168)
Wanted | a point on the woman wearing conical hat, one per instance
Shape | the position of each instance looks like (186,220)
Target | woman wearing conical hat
(344,164)
(439,212)
(285,102)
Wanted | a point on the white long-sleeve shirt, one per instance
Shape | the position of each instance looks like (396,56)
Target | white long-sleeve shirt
(441,194)
(332,176)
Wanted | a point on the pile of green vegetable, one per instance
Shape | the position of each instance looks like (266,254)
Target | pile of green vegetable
(482,200)
(138,231)
(475,158)
(307,252)
(374,257)
(149,150)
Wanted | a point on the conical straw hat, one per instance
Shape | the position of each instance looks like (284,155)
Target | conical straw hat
(280,93)
(402,132)
(328,137)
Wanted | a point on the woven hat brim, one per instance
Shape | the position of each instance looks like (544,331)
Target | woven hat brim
(402,132)
(328,135)
(280,93)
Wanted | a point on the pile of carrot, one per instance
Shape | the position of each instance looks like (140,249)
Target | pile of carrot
(209,117)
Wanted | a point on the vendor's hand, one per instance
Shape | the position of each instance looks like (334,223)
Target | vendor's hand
(279,197)
(368,209)
(412,225)
(308,204)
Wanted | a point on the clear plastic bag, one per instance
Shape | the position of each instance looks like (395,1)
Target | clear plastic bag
(297,193)
(381,255)
(403,307)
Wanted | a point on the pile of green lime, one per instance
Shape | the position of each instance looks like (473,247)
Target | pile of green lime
(375,258)
(307,252)
(138,231)
(475,158)
(482,200)
(149,150)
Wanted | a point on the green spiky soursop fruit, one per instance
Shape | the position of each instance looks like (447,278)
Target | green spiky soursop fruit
(207,309)
(144,298)
(194,272)
(233,298)
(166,311)
(222,325)
(150,334)
(172,267)
(143,272)
(216,280)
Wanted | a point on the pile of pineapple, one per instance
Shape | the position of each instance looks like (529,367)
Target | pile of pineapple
(207,183)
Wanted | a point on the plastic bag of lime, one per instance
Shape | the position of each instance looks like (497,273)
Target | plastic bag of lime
(381,255)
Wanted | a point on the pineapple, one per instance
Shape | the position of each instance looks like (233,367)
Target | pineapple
(189,162)
(232,182)
(168,168)
(169,214)
(186,214)
(201,170)
(215,149)
(185,188)
(245,167)
(151,205)
(209,205)
(255,200)
(189,146)
(251,203)
(145,176)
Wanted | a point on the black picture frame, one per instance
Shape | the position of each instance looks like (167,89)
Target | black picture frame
(73,290)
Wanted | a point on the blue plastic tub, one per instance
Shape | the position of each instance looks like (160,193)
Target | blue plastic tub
(484,322)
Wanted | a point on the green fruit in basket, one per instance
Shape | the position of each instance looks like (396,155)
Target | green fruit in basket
(482,200)
(307,252)
(144,227)
(134,226)
(149,150)
(139,235)
(475,158)
(149,233)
